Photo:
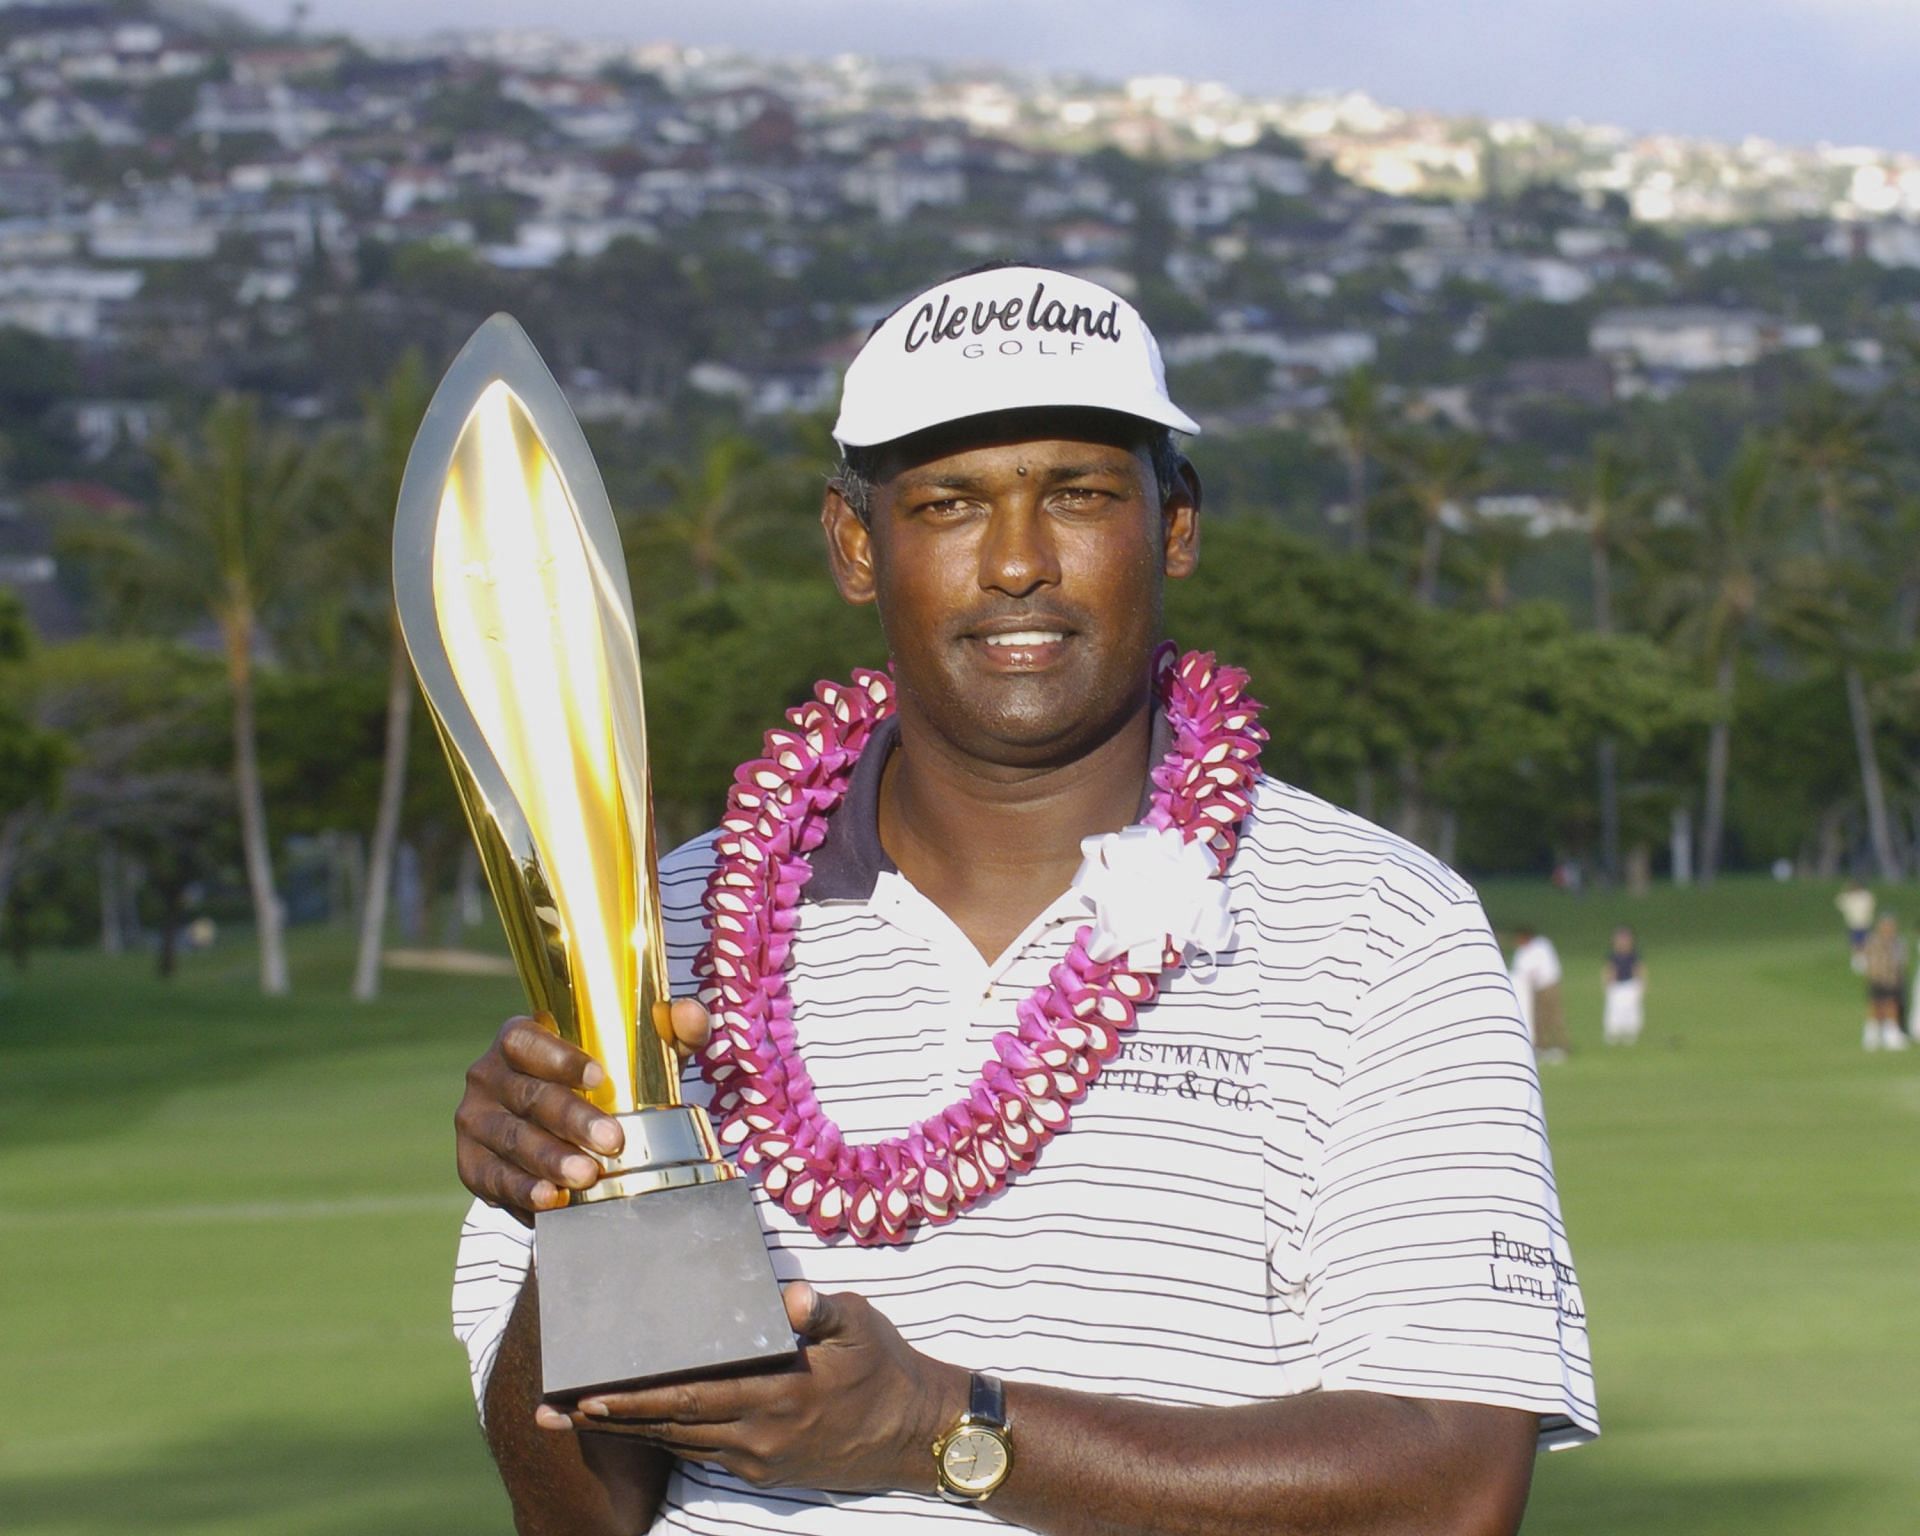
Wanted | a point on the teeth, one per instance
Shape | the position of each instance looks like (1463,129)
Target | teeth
(1026,637)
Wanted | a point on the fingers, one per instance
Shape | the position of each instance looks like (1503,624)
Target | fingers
(533,1048)
(533,1073)
(818,1315)
(522,1144)
(717,1401)
(522,1131)
(523,1126)
(683,1024)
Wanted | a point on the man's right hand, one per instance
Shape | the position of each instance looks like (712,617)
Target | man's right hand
(522,1133)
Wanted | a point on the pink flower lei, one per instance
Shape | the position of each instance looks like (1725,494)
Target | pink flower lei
(763,1099)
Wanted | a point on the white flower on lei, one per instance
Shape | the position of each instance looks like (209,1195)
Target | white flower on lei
(1149,888)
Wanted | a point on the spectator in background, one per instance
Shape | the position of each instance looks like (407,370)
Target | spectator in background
(1626,979)
(1856,911)
(1884,958)
(1536,982)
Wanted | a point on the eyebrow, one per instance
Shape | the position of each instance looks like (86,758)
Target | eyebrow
(914,484)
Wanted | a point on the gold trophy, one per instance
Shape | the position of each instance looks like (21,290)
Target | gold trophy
(513,599)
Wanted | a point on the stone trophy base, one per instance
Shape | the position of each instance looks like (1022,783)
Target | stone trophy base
(673,1281)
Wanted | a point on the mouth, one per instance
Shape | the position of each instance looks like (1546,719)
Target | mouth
(1024,639)
(1031,649)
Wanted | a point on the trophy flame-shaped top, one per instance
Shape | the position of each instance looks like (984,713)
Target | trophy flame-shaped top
(513,599)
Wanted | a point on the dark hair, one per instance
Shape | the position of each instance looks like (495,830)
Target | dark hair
(859,468)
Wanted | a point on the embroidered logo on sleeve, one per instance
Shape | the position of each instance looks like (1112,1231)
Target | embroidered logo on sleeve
(1529,1272)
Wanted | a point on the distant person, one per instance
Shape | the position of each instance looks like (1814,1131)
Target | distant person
(1536,982)
(1856,911)
(1884,958)
(1626,983)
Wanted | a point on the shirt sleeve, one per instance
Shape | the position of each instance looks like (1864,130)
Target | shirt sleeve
(495,1255)
(1437,1262)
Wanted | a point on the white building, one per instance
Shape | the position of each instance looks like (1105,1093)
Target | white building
(802,389)
(273,111)
(893,186)
(29,239)
(1695,339)
(170,230)
(66,303)
(58,118)
(1884,242)
(1198,203)
(1323,352)
(1546,279)
(540,243)
(102,425)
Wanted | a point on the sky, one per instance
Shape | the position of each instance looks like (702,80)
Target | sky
(1800,71)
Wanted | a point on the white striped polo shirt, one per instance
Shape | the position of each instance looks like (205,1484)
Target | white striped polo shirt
(1320,1162)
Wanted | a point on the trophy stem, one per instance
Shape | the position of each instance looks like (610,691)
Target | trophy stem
(667,1147)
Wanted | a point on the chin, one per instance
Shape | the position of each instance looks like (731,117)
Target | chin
(1032,726)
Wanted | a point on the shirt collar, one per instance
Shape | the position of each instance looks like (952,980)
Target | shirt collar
(849,863)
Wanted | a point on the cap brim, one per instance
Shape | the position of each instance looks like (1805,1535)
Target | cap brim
(905,418)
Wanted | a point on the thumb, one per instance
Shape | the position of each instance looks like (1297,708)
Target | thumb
(813,1314)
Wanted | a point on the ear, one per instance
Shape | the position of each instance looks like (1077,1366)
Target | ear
(1180,517)
(849,546)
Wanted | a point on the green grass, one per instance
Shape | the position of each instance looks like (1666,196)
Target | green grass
(1743,1193)
(226,1226)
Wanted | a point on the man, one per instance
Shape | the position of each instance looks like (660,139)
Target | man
(1884,965)
(1296,1262)
(1856,903)
(1536,983)
(1624,1005)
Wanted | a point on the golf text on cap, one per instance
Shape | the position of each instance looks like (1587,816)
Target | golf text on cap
(947,323)
(1006,338)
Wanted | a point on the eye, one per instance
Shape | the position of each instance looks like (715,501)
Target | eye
(1081,497)
(945,507)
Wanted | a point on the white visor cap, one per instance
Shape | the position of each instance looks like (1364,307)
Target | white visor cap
(1008,339)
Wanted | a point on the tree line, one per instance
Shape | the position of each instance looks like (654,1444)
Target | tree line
(1693,648)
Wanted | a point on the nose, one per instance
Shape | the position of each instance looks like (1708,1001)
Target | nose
(1017,556)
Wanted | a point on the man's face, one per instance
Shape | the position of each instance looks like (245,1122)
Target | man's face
(1017,562)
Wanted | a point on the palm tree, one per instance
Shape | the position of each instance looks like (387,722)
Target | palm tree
(1741,584)
(389,419)
(1439,475)
(1360,423)
(1831,449)
(234,503)
(1615,501)
(1498,541)
(711,512)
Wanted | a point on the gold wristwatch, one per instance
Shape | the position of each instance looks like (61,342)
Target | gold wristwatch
(972,1459)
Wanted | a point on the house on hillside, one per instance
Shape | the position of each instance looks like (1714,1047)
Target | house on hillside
(101,424)
(893,185)
(1304,354)
(160,229)
(801,388)
(1884,242)
(1695,338)
(1544,279)
(68,303)
(276,111)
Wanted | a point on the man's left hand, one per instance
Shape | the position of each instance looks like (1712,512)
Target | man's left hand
(858,1413)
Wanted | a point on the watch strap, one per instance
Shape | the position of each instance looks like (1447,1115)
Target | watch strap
(987,1400)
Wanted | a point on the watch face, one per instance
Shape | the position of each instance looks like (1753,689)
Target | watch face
(975,1460)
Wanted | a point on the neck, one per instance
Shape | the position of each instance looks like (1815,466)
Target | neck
(993,845)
